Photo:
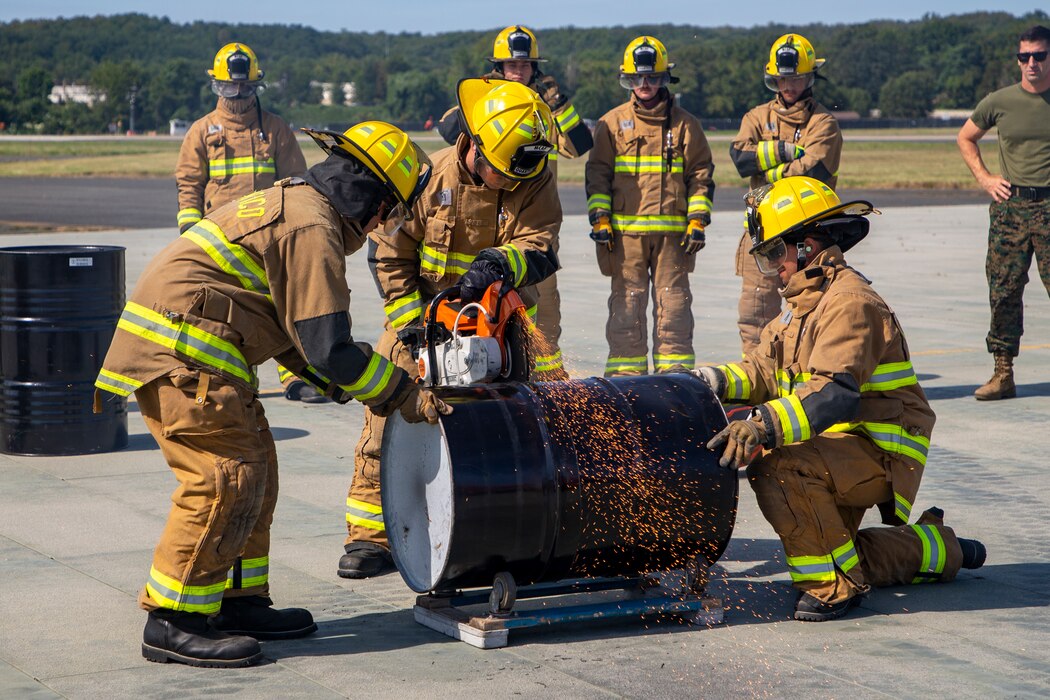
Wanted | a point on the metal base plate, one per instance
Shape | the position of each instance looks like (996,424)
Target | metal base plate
(449,615)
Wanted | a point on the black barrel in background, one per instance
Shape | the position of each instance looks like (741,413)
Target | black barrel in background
(59,306)
(588,478)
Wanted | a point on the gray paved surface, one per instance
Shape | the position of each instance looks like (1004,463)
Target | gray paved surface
(76,533)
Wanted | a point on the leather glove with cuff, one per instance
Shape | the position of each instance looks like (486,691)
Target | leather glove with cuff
(602,231)
(713,378)
(693,240)
(743,440)
(548,89)
(480,275)
(421,404)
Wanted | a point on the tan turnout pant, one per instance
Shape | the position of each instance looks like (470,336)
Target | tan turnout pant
(637,263)
(760,299)
(214,436)
(815,493)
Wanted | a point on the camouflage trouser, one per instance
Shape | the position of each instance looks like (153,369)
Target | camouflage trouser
(1019,228)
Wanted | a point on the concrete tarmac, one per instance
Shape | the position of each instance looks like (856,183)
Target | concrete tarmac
(76,533)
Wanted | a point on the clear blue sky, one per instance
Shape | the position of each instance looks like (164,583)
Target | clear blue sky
(439,16)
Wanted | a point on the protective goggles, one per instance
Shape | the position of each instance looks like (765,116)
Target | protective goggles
(524,164)
(633,81)
(1039,56)
(770,256)
(233,90)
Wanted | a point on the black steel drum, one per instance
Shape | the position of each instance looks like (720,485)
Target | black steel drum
(578,479)
(59,306)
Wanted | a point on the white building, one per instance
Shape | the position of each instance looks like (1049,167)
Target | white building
(81,94)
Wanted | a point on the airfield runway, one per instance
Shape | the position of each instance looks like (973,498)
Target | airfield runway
(76,533)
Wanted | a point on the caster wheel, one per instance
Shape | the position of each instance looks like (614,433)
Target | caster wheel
(504,594)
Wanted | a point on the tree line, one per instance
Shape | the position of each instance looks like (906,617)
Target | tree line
(902,68)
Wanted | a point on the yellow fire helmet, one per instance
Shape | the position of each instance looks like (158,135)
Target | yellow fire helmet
(387,151)
(791,55)
(516,43)
(797,205)
(646,54)
(236,63)
(510,124)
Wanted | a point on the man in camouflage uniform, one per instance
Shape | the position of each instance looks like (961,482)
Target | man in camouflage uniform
(1020,210)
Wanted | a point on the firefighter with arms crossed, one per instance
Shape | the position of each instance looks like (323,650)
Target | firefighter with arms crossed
(237,149)
(516,56)
(792,134)
(262,277)
(649,191)
(490,213)
(840,422)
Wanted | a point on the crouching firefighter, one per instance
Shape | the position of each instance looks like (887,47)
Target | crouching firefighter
(490,213)
(262,277)
(840,422)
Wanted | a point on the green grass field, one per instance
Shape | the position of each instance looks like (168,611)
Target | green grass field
(865,163)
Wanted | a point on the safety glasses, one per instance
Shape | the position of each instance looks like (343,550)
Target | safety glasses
(1039,56)
(770,256)
(633,81)
(232,90)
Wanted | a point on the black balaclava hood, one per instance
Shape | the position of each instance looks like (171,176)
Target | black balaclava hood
(352,188)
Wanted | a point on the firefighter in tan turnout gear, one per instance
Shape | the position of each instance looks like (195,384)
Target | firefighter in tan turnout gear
(262,277)
(840,422)
(649,191)
(792,134)
(237,149)
(516,56)
(490,213)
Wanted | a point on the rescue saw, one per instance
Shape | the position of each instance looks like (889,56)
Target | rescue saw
(478,342)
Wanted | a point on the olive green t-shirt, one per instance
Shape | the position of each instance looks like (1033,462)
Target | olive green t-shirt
(1023,120)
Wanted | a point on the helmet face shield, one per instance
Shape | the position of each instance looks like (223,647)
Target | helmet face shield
(633,81)
(770,256)
(234,90)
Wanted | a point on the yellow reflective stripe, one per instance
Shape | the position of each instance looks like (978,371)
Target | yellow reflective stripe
(784,387)
(432,259)
(364,515)
(627,364)
(845,556)
(811,568)
(698,203)
(668,361)
(889,437)
(649,224)
(222,167)
(636,165)
(599,201)
(547,363)
(189,215)
(283,373)
(197,344)
(793,421)
(768,155)
(116,383)
(933,553)
(552,156)
(169,593)
(231,258)
(567,119)
(516,260)
(891,375)
(738,386)
(404,310)
(458,263)
(777,173)
(254,572)
(374,380)
(902,507)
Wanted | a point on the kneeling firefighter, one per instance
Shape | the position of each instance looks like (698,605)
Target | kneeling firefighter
(262,277)
(840,422)
(490,213)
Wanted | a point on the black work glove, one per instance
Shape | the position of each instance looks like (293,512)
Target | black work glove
(548,88)
(478,277)
(743,440)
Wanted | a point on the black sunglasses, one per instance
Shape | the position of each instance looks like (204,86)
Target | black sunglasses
(1039,56)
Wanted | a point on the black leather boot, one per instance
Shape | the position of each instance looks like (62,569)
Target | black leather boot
(811,609)
(973,553)
(364,560)
(255,616)
(186,638)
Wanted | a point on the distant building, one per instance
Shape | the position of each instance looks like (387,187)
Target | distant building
(81,94)
(328,93)
(178,127)
(947,114)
